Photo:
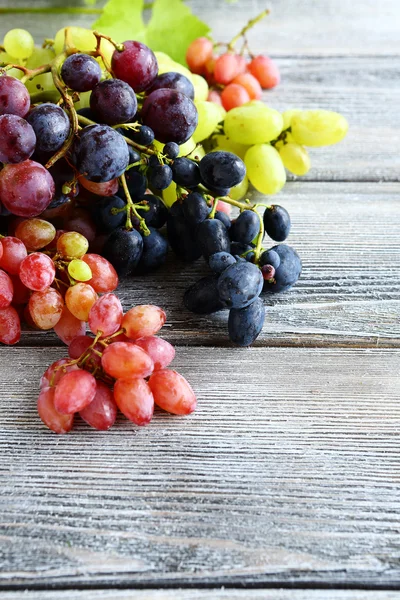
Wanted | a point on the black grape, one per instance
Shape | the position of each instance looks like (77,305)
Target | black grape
(137,185)
(160,177)
(277,222)
(87,113)
(51,126)
(237,248)
(134,155)
(240,284)
(157,215)
(213,237)
(101,153)
(288,271)
(195,208)
(155,248)
(245,324)
(171,115)
(246,227)
(123,249)
(270,257)
(202,297)
(113,101)
(81,72)
(222,170)
(186,172)
(220,261)
(144,137)
(224,218)
(173,81)
(182,238)
(171,150)
(102,212)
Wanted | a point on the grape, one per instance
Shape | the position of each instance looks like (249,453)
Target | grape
(158,214)
(81,72)
(109,188)
(288,271)
(268,272)
(6,290)
(234,95)
(155,248)
(228,145)
(14,252)
(215,97)
(226,68)
(72,244)
(240,284)
(79,345)
(251,85)
(102,411)
(186,172)
(123,360)
(220,261)
(222,170)
(202,297)
(113,101)
(135,400)
(295,158)
(80,222)
(44,82)
(84,40)
(171,149)
(10,326)
(144,137)
(74,392)
(197,54)
(195,208)
(17,139)
(137,185)
(160,177)
(143,320)
(45,308)
(35,233)
(101,154)
(209,115)
(246,227)
(318,127)
(79,270)
(238,248)
(136,65)
(265,169)
(106,315)
(160,351)
(123,249)
(277,222)
(14,97)
(26,189)
(55,372)
(182,238)
(270,257)
(201,88)
(253,124)
(213,237)
(37,271)
(223,217)
(51,125)
(19,43)
(239,191)
(245,324)
(69,327)
(104,276)
(265,71)
(172,392)
(173,81)
(79,300)
(54,420)
(171,115)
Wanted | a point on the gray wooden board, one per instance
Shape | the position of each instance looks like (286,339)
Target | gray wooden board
(288,472)
(212,594)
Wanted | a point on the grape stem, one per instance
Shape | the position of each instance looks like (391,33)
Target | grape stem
(246,28)
(132,209)
(100,36)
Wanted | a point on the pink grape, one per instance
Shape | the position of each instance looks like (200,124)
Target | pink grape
(135,400)
(251,84)
(198,53)
(104,276)
(69,327)
(26,189)
(46,308)
(14,252)
(265,71)
(226,68)
(123,360)
(102,411)
(80,345)
(10,326)
(37,271)
(35,233)
(55,371)
(106,315)
(74,392)
(79,299)
(17,139)
(161,351)
(136,64)
(21,293)
(14,97)
(172,392)
(109,188)
(6,290)
(234,95)
(54,420)
(142,321)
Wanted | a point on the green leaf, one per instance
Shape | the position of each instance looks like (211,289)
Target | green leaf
(172,27)
(122,20)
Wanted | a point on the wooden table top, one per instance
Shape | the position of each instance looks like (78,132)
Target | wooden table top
(285,484)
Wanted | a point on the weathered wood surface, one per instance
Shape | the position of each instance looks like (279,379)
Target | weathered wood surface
(193,594)
(276,478)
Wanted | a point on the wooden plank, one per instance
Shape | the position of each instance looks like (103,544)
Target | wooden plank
(288,474)
(348,235)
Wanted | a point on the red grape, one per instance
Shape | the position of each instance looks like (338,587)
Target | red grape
(37,271)
(80,345)
(102,411)
(46,308)
(172,392)
(198,53)
(14,252)
(55,371)
(79,299)
(161,351)
(69,327)
(10,326)
(6,289)
(21,292)
(17,139)
(35,233)
(265,71)
(136,64)
(226,68)
(142,321)
(50,416)
(109,188)
(234,95)
(214,96)
(135,400)
(106,315)
(26,189)
(104,276)
(251,85)
(14,97)
(74,392)
(123,360)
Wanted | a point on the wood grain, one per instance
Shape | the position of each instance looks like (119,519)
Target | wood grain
(281,476)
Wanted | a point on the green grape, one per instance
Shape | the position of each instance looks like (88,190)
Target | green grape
(169,194)
(40,56)
(265,169)
(318,127)
(166,67)
(162,57)
(295,158)
(19,43)
(79,270)
(200,87)
(6,59)
(288,116)
(209,117)
(240,190)
(72,244)
(228,145)
(85,41)
(253,124)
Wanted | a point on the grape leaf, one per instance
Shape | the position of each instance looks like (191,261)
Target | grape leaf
(122,20)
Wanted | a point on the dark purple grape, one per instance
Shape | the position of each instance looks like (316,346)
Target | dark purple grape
(182,238)
(144,137)
(171,150)
(137,185)
(14,97)
(186,172)
(158,214)
(202,297)
(277,222)
(17,139)
(171,115)
(51,125)
(105,220)
(195,208)
(100,154)
(245,324)
(136,64)
(153,161)
(113,101)
(81,72)
(221,216)
(134,155)
(222,170)
(246,227)
(240,284)
(155,248)
(123,249)
(270,257)
(220,261)
(288,271)
(160,177)
(173,81)
(213,237)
